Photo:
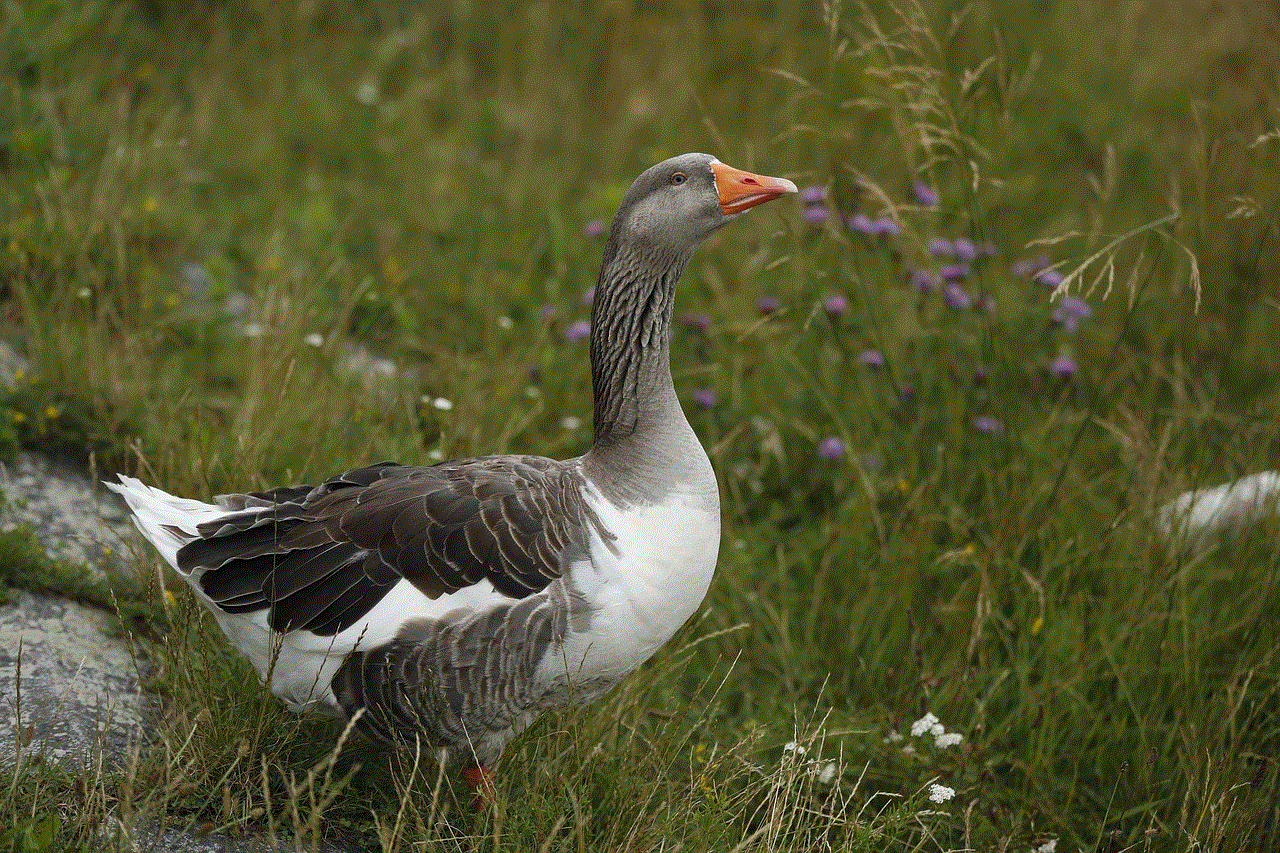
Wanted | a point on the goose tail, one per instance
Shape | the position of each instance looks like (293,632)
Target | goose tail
(168,522)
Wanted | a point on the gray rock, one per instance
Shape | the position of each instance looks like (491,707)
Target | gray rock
(75,520)
(150,840)
(70,691)
(11,361)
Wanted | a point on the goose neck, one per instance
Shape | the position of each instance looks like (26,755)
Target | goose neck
(630,342)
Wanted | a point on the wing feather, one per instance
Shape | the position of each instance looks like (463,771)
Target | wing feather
(320,557)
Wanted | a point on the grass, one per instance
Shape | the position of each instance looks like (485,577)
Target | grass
(415,180)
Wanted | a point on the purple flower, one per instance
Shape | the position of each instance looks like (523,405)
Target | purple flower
(768,305)
(988,250)
(815,214)
(924,194)
(579,331)
(1069,314)
(546,312)
(940,248)
(1064,368)
(705,398)
(1049,278)
(980,375)
(588,296)
(906,393)
(862,224)
(885,227)
(813,195)
(594,228)
(836,306)
(872,461)
(988,425)
(871,358)
(956,297)
(954,272)
(965,250)
(831,447)
(1077,308)
(987,304)
(695,321)
(924,281)
(1059,317)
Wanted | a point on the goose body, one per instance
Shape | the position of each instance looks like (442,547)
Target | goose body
(453,603)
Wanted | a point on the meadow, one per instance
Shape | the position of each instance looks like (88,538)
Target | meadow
(1031,293)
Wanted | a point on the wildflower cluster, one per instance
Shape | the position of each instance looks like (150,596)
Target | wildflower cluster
(919,320)
(824,771)
(927,726)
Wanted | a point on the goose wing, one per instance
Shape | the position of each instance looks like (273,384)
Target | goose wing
(320,557)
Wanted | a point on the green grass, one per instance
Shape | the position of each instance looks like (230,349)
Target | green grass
(405,177)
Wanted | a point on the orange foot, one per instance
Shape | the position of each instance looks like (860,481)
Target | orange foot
(480,781)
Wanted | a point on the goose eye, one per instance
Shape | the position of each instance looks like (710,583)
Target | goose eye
(678,178)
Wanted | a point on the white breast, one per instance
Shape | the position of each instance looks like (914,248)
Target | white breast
(641,585)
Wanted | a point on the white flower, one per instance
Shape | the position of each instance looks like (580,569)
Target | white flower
(435,454)
(367,93)
(940,793)
(533,392)
(253,330)
(892,736)
(944,740)
(1048,847)
(84,293)
(937,730)
(924,724)
(570,422)
(442,403)
(825,772)
(315,339)
(797,748)
(505,322)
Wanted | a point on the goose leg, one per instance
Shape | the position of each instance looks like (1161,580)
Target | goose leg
(480,780)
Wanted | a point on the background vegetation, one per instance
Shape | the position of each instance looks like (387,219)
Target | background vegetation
(249,244)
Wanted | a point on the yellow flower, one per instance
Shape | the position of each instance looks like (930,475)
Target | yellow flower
(52,411)
(19,418)
(150,205)
(1037,625)
(391,268)
(904,486)
(19,375)
(169,597)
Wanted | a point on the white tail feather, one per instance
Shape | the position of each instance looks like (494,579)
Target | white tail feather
(168,522)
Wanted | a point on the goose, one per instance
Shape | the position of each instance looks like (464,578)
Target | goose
(449,605)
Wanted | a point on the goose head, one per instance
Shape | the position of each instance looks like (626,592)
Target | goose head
(676,204)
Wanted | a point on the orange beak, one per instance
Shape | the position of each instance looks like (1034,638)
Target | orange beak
(740,190)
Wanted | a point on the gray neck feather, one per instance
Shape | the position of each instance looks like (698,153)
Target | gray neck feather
(643,443)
